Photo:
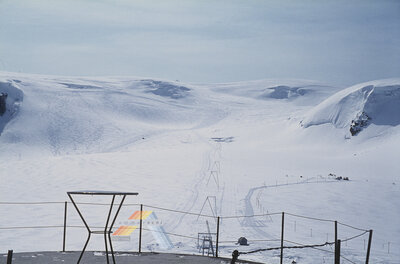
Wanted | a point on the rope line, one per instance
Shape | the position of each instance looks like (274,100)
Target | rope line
(189,213)
(172,234)
(250,240)
(242,216)
(177,211)
(359,229)
(312,218)
(316,248)
(354,237)
(287,247)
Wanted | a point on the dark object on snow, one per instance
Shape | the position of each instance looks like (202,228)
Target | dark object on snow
(294,262)
(339,178)
(9,257)
(242,241)
(360,122)
(235,255)
(3,97)
(345,178)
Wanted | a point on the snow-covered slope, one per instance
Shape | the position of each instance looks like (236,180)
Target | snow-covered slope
(228,149)
(354,108)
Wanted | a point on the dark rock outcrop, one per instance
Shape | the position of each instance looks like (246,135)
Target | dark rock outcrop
(3,98)
(359,123)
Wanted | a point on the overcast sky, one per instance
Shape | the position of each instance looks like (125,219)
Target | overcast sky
(337,42)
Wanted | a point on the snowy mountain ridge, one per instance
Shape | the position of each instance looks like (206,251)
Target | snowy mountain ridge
(179,144)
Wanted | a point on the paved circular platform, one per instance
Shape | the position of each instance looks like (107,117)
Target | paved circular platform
(94,257)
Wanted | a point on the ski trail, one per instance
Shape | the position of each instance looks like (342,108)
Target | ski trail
(257,225)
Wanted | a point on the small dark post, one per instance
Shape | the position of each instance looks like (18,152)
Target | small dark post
(235,255)
(283,228)
(369,246)
(65,225)
(140,230)
(9,257)
(337,252)
(337,258)
(216,243)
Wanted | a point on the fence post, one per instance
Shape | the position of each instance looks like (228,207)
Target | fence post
(337,251)
(216,243)
(336,232)
(283,228)
(369,246)
(9,257)
(65,226)
(140,228)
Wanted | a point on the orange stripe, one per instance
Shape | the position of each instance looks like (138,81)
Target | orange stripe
(146,214)
(129,230)
(136,215)
(118,231)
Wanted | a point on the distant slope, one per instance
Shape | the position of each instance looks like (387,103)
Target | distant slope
(304,92)
(376,102)
(62,115)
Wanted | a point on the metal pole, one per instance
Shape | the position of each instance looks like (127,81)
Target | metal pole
(336,232)
(106,227)
(111,227)
(337,258)
(9,257)
(369,246)
(216,246)
(283,228)
(140,228)
(86,225)
(337,252)
(65,225)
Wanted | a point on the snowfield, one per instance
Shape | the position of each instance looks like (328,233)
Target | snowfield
(228,150)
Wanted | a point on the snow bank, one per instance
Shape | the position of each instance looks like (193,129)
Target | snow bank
(376,102)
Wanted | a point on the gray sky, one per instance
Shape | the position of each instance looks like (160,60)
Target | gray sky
(338,42)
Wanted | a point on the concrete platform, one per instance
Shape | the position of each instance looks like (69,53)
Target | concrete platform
(95,257)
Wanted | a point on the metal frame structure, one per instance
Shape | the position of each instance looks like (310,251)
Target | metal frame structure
(108,228)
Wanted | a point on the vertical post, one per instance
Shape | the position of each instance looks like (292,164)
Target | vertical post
(140,230)
(65,225)
(283,228)
(216,244)
(337,252)
(369,246)
(336,232)
(9,257)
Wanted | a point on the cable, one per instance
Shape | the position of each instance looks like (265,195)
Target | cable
(251,240)
(311,218)
(359,229)
(347,239)
(172,234)
(26,227)
(242,216)
(327,243)
(177,211)
(287,247)
(29,203)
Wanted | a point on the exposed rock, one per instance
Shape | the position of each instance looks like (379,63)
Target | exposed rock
(3,98)
(359,123)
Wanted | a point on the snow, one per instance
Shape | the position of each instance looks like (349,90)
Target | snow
(379,100)
(178,144)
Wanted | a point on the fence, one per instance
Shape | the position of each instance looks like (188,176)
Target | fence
(160,225)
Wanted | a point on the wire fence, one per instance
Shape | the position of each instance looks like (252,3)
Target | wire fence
(220,230)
